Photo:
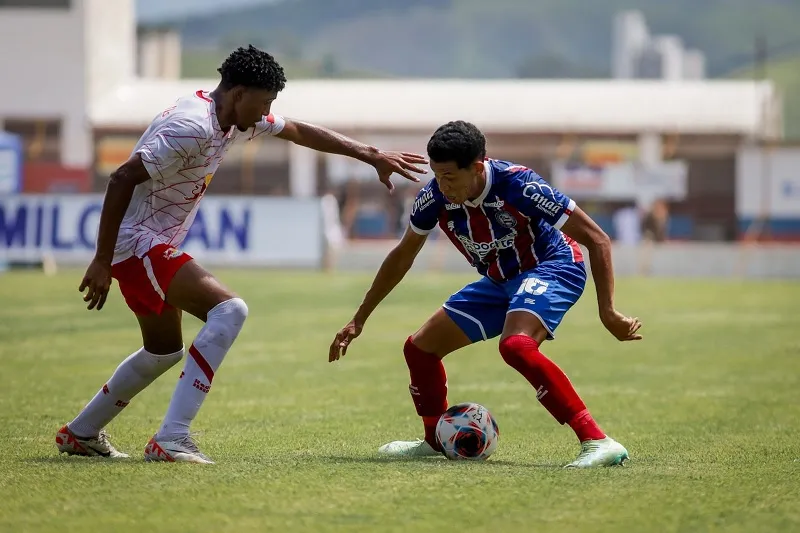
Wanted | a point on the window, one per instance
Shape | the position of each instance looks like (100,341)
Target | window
(63,4)
(41,138)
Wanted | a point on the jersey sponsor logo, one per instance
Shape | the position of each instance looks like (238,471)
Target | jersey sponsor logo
(505,219)
(497,204)
(422,202)
(452,207)
(482,249)
(543,196)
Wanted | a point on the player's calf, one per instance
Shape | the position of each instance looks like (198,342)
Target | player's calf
(130,378)
(553,388)
(428,388)
(223,324)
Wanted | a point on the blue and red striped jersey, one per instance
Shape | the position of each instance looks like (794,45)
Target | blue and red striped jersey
(510,228)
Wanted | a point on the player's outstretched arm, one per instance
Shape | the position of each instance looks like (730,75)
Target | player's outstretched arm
(393,269)
(583,229)
(117,198)
(325,140)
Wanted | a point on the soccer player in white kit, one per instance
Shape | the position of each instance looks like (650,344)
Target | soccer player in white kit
(149,205)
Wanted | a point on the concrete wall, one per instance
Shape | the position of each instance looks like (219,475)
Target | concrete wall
(43,74)
(709,260)
(56,61)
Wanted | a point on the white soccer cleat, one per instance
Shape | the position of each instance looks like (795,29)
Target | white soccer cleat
(182,449)
(603,452)
(413,448)
(99,446)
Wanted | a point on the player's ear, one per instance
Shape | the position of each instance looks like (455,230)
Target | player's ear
(237,93)
(477,167)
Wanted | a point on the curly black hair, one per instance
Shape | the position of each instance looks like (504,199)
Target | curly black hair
(252,68)
(458,141)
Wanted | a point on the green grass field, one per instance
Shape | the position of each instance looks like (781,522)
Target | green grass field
(708,405)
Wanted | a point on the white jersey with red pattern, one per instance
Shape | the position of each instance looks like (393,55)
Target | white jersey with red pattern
(181,150)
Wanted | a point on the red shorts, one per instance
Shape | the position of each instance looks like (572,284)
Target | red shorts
(144,282)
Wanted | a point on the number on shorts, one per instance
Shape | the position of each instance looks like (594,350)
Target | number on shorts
(532,286)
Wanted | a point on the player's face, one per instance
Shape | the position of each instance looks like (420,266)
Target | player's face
(458,184)
(250,105)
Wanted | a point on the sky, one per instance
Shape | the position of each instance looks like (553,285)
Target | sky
(151,10)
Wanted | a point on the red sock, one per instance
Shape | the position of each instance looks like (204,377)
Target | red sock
(428,388)
(585,427)
(553,389)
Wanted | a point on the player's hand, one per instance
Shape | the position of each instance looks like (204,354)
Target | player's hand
(343,340)
(624,328)
(98,281)
(403,163)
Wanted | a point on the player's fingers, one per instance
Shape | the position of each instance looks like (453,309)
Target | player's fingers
(95,298)
(386,180)
(415,158)
(333,352)
(406,174)
(413,168)
(102,301)
(89,293)
(84,284)
(344,344)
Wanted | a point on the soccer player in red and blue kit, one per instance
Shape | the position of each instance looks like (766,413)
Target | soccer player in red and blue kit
(522,236)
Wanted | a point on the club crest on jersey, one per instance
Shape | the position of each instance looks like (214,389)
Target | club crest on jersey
(172,253)
(505,219)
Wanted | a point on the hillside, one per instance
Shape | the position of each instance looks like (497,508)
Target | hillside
(475,38)
(785,72)
(502,38)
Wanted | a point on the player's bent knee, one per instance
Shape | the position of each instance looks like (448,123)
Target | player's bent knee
(226,321)
(413,349)
(514,348)
(238,308)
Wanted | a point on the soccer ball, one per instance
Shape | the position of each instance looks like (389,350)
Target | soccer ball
(467,431)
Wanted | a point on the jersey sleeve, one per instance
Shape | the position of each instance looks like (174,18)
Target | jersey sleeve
(424,212)
(171,146)
(270,124)
(536,198)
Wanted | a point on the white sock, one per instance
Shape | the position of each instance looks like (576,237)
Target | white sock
(222,326)
(130,378)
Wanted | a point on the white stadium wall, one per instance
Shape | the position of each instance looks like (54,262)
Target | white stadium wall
(228,231)
(56,61)
(768,188)
(43,75)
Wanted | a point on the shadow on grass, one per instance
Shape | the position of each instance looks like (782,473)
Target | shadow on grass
(307,459)
(490,463)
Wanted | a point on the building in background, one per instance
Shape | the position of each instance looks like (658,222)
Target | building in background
(636,54)
(65,54)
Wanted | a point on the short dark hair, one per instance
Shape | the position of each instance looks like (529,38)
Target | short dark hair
(457,141)
(252,68)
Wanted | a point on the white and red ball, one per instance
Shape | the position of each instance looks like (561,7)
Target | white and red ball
(467,431)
